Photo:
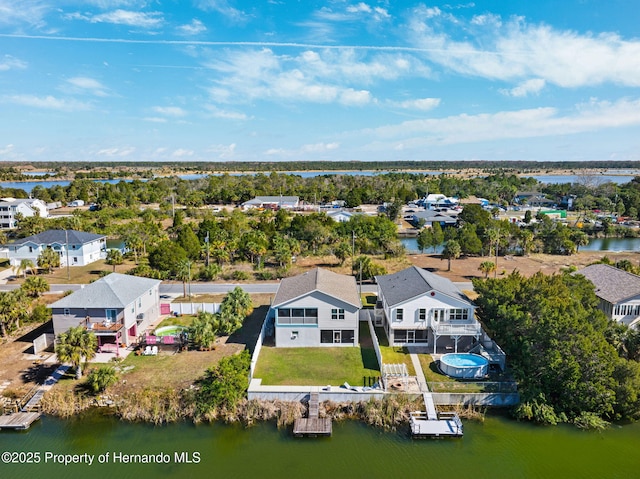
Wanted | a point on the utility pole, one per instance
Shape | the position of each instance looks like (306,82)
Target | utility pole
(66,236)
(353,251)
(206,240)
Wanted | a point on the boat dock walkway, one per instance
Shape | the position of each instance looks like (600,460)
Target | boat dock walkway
(431,423)
(312,425)
(29,411)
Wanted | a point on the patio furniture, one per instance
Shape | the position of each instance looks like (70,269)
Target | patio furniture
(154,351)
(147,351)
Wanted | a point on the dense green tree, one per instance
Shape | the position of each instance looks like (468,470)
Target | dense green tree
(555,338)
(224,385)
(189,242)
(167,256)
(14,309)
(366,269)
(235,307)
(76,346)
(425,238)
(487,267)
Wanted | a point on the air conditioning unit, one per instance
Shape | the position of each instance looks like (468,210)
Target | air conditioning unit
(141,316)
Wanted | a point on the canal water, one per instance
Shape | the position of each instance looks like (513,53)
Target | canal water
(497,448)
(595,244)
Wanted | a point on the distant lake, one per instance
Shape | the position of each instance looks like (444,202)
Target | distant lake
(561,179)
(595,244)
(30,185)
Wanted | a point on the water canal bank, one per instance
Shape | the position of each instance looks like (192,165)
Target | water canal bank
(498,447)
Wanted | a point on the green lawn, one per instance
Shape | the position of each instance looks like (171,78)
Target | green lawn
(397,355)
(316,366)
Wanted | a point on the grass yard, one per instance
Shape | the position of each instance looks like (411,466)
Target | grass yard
(182,320)
(316,366)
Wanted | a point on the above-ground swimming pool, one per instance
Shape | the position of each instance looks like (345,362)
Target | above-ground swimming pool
(169,330)
(464,365)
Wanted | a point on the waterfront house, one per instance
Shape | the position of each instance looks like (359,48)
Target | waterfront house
(272,203)
(618,291)
(27,207)
(429,217)
(316,308)
(117,308)
(417,307)
(78,247)
(340,216)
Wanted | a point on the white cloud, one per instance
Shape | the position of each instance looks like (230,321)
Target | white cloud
(115,151)
(223,7)
(356,98)
(222,152)
(155,119)
(31,12)
(511,50)
(538,122)
(423,104)
(11,63)
(194,28)
(130,18)
(86,84)
(226,114)
(533,86)
(182,153)
(172,111)
(323,76)
(319,147)
(47,102)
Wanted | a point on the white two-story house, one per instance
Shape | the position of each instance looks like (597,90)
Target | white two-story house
(78,247)
(316,308)
(417,307)
(618,291)
(10,207)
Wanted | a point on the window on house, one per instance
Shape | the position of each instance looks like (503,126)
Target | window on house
(422,314)
(458,314)
(337,313)
(30,249)
(399,314)
(75,259)
(297,316)
(67,312)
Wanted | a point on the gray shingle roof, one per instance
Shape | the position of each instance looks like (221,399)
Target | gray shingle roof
(412,282)
(336,285)
(59,236)
(612,284)
(113,291)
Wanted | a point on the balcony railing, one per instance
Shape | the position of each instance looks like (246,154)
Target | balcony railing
(464,329)
(105,327)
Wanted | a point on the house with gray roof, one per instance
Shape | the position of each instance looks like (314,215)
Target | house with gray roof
(316,308)
(117,308)
(272,203)
(417,307)
(78,247)
(429,217)
(618,291)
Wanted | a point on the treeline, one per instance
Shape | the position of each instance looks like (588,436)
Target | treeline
(571,362)
(387,165)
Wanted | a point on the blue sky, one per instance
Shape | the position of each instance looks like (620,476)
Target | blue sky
(231,80)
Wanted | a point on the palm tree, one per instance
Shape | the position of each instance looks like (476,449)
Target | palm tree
(451,251)
(487,267)
(101,378)
(76,345)
(184,274)
(49,259)
(25,264)
(14,308)
(203,330)
(114,258)
(34,286)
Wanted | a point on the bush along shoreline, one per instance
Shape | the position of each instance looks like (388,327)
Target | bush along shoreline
(220,395)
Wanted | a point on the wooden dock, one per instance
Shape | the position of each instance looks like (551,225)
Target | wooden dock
(312,425)
(446,425)
(18,420)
